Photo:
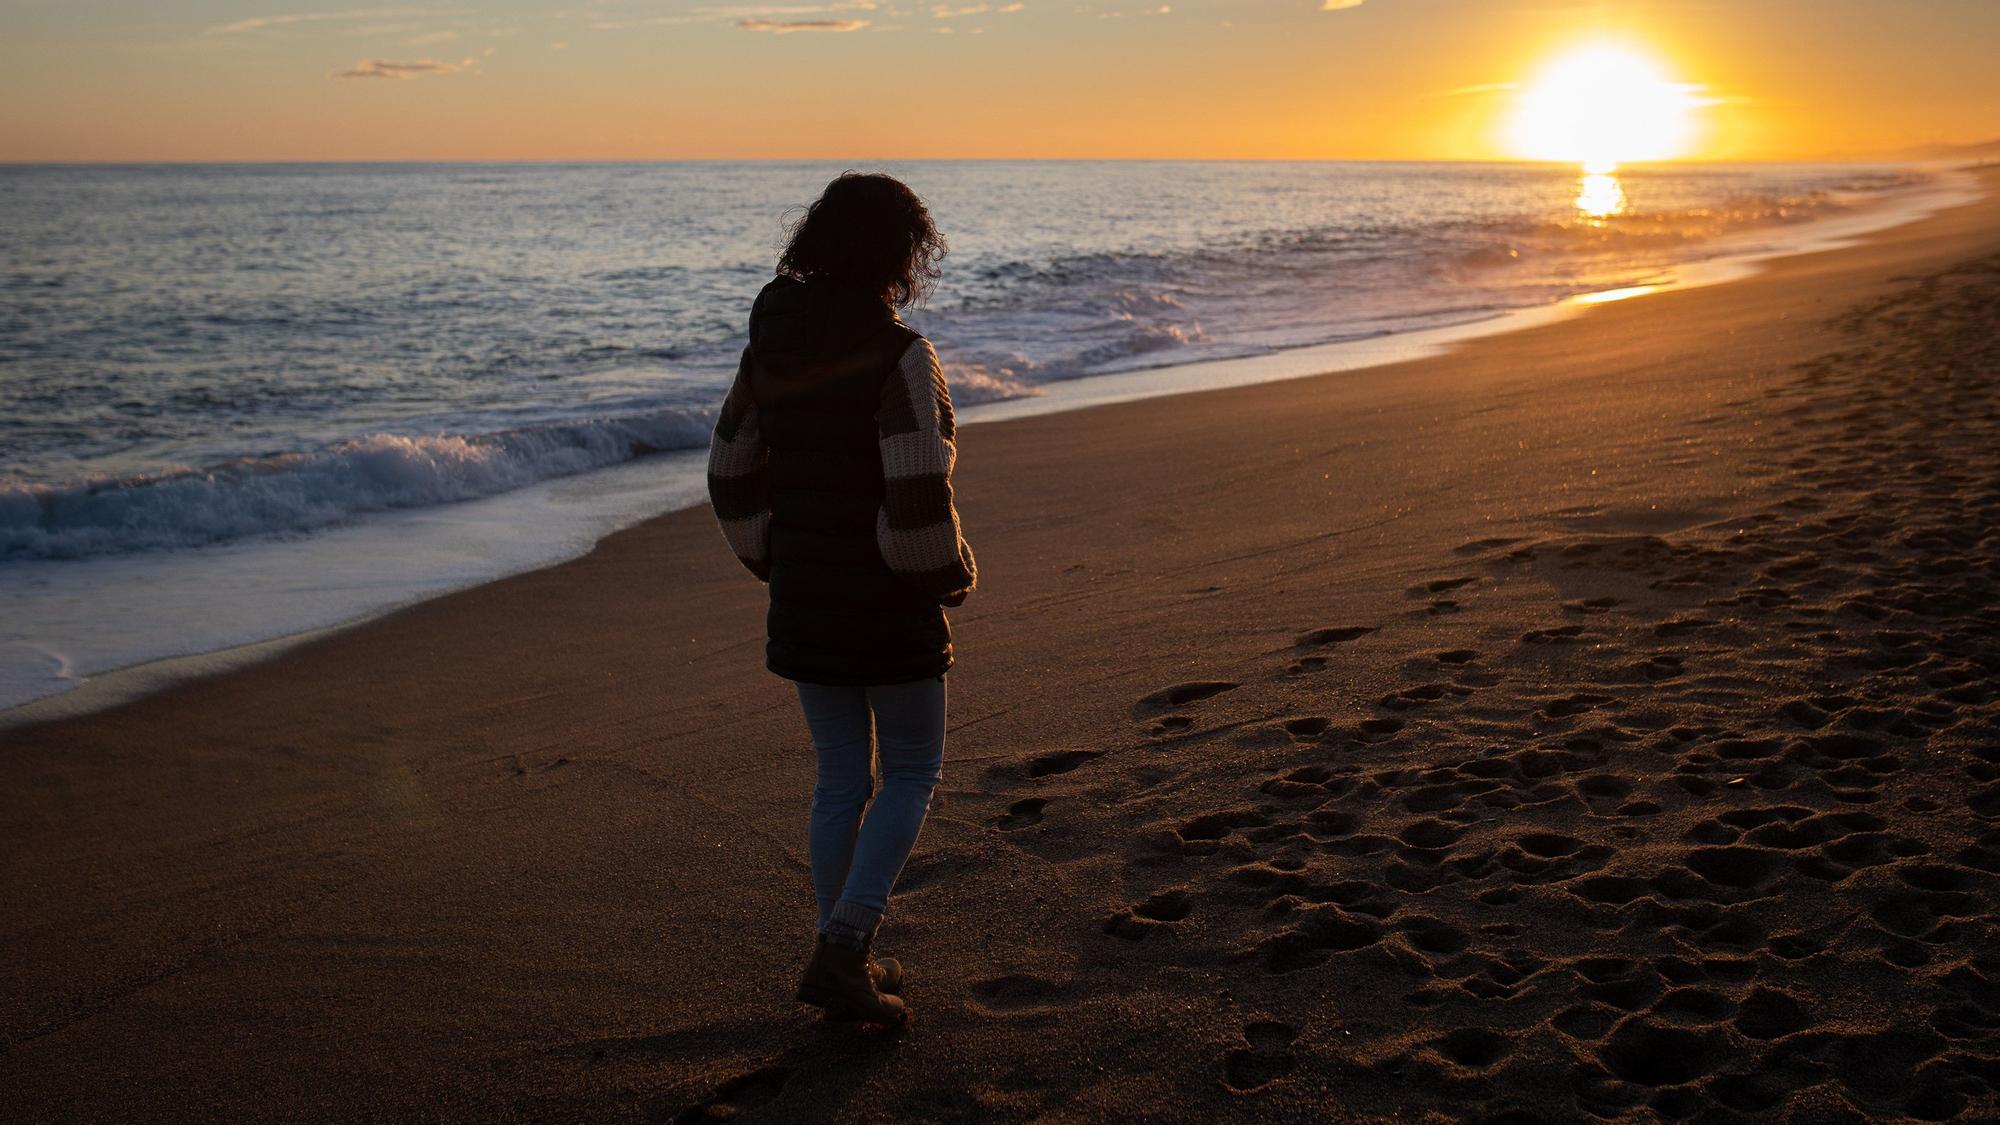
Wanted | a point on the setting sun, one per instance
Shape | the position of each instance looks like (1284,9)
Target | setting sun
(1601,106)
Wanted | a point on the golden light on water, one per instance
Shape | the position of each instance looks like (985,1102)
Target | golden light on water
(1599,195)
(1600,106)
(1609,295)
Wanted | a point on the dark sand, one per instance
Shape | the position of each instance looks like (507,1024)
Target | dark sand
(1597,721)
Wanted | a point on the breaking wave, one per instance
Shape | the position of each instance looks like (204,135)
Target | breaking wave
(300,492)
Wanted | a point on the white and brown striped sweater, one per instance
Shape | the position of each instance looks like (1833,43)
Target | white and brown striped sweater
(917,528)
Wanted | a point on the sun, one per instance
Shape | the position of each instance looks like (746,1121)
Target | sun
(1603,105)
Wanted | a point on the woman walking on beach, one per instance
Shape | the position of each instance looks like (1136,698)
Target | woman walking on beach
(830,472)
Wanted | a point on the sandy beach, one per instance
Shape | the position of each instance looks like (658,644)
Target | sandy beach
(1597,721)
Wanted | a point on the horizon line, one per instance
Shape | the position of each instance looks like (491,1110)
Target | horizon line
(418,161)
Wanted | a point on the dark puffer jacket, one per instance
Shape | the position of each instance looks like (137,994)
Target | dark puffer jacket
(830,471)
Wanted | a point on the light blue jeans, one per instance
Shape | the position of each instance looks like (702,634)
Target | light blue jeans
(855,860)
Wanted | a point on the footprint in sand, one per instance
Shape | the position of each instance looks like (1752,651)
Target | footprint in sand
(1022,814)
(1378,730)
(1472,1048)
(1321,932)
(1215,826)
(1681,627)
(1441,585)
(1309,727)
(1552,636)
(1335,634)
(1060,761)
(1770,1014)
(1588,1022)
(1658,668)
(1034,767)
(1418,696)
(1167,906)
(1733,868)
(1180,695)
(1433,936)
(1013,993)
(1573,705)
(1480,546)
(1309,781)
(1137,922)
(1649,1053)
(1266,1058)
(1694,1007)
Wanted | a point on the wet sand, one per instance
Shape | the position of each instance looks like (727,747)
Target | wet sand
(1596,721)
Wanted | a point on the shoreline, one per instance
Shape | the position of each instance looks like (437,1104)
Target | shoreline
(97,690)
(1596,720)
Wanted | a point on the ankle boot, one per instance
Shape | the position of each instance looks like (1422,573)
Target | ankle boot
(837,980)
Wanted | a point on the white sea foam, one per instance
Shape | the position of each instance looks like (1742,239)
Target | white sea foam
(974,383)
(298,492)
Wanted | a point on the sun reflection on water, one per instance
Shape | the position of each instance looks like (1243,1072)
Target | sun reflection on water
(1599,195)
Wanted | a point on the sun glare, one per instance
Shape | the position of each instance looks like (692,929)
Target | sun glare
(1599,195)
(1601,106)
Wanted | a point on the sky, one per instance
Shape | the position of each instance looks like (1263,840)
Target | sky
(234,80)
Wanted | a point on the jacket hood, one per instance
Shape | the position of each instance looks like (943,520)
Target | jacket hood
(807,318)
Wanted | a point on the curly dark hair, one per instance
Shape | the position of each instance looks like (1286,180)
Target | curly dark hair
(870,232)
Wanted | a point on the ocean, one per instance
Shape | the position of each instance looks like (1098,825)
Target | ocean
(242,402)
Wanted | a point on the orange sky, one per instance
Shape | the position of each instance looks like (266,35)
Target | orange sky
(666,79)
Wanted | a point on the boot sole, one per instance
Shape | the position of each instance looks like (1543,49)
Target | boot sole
(839,1011)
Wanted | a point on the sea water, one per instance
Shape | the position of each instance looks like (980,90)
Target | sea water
(243,402)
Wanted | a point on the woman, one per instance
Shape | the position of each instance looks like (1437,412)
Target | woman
(830,472)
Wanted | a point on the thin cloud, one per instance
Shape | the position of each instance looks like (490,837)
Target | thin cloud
(1469,91)
(756,17)
(265,23)
(784,27)
(383,68)
(1340,5)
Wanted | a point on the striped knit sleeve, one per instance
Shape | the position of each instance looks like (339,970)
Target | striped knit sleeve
(917,528)
(737,483)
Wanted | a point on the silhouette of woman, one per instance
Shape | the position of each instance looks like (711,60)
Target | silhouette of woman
(830,472)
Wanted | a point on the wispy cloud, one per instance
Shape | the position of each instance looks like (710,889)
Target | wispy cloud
(755,17)
(266,23)
(1340,5)
(955,11)
(1481,88)
(383,68)
(782,27)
